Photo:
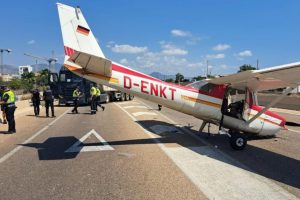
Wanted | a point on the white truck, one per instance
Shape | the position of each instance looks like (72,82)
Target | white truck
(115,95)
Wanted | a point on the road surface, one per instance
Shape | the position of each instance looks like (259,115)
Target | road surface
(132,151)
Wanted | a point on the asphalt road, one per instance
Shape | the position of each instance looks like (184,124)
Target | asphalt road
(132,151)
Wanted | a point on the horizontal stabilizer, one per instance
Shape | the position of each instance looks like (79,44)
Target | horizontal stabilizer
(91,63)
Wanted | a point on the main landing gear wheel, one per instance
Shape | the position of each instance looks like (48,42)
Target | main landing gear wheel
(237,140)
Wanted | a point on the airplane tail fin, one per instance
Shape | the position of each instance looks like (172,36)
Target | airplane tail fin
(76,33)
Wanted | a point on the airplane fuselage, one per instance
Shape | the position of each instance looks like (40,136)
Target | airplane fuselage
(205,105)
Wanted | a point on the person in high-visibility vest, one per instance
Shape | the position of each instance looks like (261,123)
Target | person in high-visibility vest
(76,95)
(98,99)
(93,93)
(8,99)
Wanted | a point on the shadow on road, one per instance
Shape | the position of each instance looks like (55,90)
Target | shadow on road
(257,160)
(80,113)
(292,123)
(39,116)
(54,148)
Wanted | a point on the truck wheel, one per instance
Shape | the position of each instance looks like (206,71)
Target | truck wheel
(131,97)
(107,99)
(126,97)
(122,97)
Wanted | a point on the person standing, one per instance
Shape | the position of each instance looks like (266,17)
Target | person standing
(98,99)
(3,106)
(76,95)
(93,93)
(49,99)
(8,100)
(36,100)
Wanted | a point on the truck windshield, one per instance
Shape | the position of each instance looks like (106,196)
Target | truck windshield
(69,78)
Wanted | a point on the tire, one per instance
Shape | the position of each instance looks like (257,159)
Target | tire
(122,97)
(238,141)
(131,97)
(126,97)
(107,99)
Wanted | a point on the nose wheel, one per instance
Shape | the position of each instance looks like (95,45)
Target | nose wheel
(237,140)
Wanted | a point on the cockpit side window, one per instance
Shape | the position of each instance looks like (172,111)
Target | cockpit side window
(208,87)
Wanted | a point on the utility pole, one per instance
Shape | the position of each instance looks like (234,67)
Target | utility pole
(206,69)
(1,51)
(257,64)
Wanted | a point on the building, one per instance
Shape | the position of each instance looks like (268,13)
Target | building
(6,77)
(24,69)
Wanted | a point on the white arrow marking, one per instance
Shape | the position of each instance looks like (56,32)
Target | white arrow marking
(136,114)
(77,146)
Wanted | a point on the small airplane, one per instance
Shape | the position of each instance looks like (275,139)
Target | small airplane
(229,102)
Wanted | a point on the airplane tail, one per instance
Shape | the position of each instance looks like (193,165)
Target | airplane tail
(76,33)
(81,48)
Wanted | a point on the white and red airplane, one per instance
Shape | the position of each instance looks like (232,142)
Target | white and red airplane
(229,101)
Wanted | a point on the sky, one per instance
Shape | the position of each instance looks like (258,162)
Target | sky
(168,36)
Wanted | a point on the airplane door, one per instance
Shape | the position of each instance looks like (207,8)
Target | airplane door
(250,101)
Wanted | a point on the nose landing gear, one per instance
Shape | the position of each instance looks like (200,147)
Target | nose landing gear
(237,140)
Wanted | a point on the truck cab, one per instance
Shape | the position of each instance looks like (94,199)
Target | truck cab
(64,83)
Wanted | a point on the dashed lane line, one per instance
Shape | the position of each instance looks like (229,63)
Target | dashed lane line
(136,114)
(16,149)
(128,107)
(293,130)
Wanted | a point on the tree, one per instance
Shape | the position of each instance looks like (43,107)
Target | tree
(179,78)
(198,78)
(42,78)
(246,67)
(27,80)
(15,84)
(169,80)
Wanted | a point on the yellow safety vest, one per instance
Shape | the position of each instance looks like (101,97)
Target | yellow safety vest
(11,98)
(76,94)
(93,91)
(98,92)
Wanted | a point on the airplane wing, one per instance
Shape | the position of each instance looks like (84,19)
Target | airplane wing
(264,79)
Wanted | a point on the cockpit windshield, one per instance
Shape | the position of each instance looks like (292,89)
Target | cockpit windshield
(202,85)
(197,84)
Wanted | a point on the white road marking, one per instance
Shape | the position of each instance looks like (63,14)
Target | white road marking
(77,146)
(218,175)
(293,112)
(293,130)
(159,129)
(136,114)
(15,150)
(127,102)
(127,107)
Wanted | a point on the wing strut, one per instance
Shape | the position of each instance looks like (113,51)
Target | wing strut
(272,103)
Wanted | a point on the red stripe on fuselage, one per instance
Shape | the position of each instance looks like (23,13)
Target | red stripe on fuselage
(69,51)
(218,93)
(270,113)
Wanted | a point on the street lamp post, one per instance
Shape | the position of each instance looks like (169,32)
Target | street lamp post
(1,51)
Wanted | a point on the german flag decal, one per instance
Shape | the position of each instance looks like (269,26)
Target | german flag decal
(82,30)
